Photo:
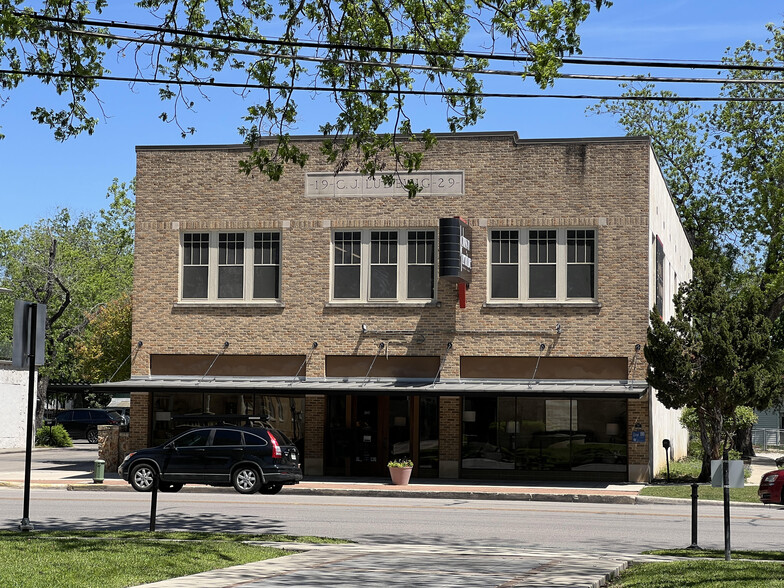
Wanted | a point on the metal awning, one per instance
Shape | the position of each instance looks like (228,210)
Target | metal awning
(384,387)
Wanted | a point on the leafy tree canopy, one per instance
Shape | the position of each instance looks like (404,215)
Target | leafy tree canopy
(75,266)
(718,352)
(369,56)
(725,164)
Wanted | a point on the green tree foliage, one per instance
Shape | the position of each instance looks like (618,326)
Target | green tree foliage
(725,165)
(75,266)
(368,56)
(102,350)
(718,352)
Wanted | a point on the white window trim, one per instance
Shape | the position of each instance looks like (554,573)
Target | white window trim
(364,268)
(524,274)
(212,271)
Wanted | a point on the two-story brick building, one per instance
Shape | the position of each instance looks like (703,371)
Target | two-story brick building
(490,327)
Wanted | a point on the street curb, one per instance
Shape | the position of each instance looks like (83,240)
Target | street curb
(436,494)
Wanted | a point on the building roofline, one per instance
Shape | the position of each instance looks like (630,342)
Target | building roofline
(441,136)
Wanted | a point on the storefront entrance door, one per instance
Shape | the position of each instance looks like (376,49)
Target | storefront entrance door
(365,432)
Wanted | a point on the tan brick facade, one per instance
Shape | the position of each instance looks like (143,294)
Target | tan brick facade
(599,184)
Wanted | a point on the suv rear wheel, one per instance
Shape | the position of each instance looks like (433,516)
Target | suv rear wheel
(92,435)
(246,480)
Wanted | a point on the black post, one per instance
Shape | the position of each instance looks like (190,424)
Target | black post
(726,482)
(667,455)
(694,491)
(26,525)
(666,445)
(153,503)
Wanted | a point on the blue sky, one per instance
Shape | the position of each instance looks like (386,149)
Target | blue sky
(40,175)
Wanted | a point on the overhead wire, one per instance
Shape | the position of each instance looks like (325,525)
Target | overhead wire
(648,63)
(418,67)
(409,92)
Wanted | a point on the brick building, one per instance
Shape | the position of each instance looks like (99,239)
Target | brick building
(490,327)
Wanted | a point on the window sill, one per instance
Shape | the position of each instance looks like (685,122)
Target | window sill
(232,304)
(555,303)
(357,304)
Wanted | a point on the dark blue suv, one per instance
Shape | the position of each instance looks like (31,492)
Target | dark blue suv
(252,459)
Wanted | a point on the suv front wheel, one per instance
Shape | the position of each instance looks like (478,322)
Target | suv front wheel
(246,480)
(142,477)
(92,435)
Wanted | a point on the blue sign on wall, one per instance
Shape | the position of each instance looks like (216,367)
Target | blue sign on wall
(638,436)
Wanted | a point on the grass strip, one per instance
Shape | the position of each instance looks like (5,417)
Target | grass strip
(719,554)
(703,574)
(123,558)
(704,492)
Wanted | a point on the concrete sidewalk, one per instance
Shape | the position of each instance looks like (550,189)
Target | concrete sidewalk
(432,566)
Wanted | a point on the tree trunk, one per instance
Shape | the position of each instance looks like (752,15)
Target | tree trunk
(742,442)
(43,386)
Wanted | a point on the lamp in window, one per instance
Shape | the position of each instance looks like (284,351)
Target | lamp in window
(612,430)
(469,416)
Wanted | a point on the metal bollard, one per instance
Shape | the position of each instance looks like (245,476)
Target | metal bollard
(98,469)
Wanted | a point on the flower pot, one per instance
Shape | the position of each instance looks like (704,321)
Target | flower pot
(400,476)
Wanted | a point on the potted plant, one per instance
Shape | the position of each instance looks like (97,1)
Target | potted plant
(400,471)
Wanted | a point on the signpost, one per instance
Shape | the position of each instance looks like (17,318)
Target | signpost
(728,474)
(28,351)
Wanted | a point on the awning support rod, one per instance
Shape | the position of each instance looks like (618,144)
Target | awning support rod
(443,361)
(372,363)
(542,347)
(307,359)
(637,348)
(225,347)
(133,353)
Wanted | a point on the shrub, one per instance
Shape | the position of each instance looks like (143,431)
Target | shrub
(54,436)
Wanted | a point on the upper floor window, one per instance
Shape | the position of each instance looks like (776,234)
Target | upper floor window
(543,264)
(388,265)
(231,266)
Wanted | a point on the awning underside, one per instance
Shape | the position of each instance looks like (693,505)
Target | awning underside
(566,388)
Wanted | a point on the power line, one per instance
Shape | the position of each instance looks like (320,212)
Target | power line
(442,93)
(430,68)
(418,52)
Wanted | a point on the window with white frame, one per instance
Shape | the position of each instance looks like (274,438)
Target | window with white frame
(542,264)
(230,266)
(383,265)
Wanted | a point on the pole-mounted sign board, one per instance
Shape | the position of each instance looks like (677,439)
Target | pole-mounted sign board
(23,335)
(455,250)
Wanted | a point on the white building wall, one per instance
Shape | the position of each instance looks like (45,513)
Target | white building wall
(13,398)
(665,224)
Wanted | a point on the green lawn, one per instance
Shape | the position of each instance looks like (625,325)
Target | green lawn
(702,573)
(125,558)
(704,492)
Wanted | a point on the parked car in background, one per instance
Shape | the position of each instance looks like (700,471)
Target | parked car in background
(82,423)
(124,412)
(252,459)
(770,487)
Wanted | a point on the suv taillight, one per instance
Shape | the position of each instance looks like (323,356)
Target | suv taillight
(276,452)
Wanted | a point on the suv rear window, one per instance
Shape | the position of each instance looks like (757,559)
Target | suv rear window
(251,439)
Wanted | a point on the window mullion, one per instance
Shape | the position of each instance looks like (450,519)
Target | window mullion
(212,272)
(524,264)
(560,264)
(364,267)
(248,262)
(402,266)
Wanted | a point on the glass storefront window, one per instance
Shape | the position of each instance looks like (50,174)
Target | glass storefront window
(544,435)
(176,412)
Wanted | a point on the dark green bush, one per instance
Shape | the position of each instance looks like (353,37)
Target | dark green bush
(55,436)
